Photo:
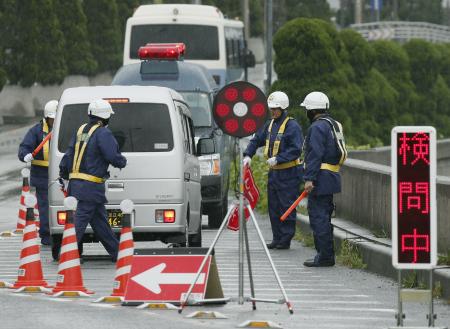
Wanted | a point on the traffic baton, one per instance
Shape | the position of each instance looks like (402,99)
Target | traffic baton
(41,145)
(292,207)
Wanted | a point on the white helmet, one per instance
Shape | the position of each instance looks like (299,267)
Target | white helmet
(50,109)
(315,101)
(100,108)
(278,99)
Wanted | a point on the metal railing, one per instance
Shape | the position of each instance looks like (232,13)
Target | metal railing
(401,31)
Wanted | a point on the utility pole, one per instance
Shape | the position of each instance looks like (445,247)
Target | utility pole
(246,19)
(395,10)
(269,31)
(358,12)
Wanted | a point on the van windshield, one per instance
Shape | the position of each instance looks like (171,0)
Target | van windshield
(137,127)
(193,36)
(200,106)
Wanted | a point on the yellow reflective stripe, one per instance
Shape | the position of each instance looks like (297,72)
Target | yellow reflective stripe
(286,165)
(83,148)
(90,178)
(276,144)
(330,167)
(45,148)
(42,163)
(266,148)
(77,146)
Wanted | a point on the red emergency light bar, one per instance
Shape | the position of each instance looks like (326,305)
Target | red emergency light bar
(167,51)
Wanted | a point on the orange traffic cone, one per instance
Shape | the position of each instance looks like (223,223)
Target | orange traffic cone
(30,278)
(69,282)
(124,257)
(22,208)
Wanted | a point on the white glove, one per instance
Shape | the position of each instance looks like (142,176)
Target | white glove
(247,160)
(272,161)
(28,158)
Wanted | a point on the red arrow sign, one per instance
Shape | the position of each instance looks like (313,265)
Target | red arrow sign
(164,278)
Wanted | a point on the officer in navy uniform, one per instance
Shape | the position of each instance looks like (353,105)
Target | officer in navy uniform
(85,164)
(39,164)
(282,137)
(324,153)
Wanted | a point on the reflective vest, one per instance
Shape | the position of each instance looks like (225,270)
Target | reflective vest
(338,133)
(80,148)
(45,148)
(276,145)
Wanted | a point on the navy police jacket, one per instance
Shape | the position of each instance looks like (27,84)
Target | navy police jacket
(34,136)
(289,150)
(101,151)
(320,147)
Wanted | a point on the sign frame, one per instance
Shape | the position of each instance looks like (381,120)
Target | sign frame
(432,197)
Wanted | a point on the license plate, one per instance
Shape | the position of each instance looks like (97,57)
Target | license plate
(115,218)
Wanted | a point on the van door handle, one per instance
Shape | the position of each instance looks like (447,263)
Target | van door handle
(187,177)
(117,186)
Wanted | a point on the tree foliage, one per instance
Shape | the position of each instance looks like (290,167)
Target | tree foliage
(372,86)
(77,52)
(104,33)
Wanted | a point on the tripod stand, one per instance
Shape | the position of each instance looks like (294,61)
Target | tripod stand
(243,238)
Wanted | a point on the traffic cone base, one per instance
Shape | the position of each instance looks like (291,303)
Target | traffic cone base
(4,284)
(109,299)
(32,289)
(72,293)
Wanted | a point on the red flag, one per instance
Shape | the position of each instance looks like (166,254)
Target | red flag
(251,193)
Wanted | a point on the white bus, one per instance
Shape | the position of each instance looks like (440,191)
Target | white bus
(211,40)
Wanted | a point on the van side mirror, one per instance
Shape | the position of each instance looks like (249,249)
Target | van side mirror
(250,59)
(206,146)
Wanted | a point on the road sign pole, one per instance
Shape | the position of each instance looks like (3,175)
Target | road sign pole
(241,221)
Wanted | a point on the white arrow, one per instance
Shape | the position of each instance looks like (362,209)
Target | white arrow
(152,278)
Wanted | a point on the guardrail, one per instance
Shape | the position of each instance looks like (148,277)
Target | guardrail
(403,31)
(366,199)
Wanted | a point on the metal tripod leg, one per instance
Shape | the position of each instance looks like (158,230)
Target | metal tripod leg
(249,264)
(261,238)
(222,227)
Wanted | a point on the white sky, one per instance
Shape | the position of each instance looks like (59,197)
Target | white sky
(334,3)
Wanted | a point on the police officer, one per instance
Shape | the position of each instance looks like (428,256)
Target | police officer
(39,164)
(85,164)
(282,140)
(324,153)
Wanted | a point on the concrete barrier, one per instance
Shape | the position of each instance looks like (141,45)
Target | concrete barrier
(17,102)
(366,199)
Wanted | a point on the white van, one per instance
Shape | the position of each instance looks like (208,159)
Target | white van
(154,129)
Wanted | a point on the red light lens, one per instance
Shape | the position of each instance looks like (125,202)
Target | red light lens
(231,125)
(168,51)
(249,125)
(231,94)
(258,109)
(169,216)
(222,110)
(249,94)
(61,217)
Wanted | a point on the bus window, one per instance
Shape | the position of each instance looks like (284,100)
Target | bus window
(202,41)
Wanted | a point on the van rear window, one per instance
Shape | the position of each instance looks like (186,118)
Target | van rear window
(138,127)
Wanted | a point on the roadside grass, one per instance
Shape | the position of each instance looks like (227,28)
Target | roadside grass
(444,259)
(380,233)
(349,255)
(305,238)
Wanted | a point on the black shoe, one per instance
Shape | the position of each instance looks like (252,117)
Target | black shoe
(282,246)
(312,263)
(271,245)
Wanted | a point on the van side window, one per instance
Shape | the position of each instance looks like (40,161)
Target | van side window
(190,126)
(186,145)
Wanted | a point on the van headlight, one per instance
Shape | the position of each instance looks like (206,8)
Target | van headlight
(209,164)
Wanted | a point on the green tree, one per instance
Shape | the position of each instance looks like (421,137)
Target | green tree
(77,52)
(104,33)
(363,55)
(125,9)
(38,50)
(7,16)
(424,64)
